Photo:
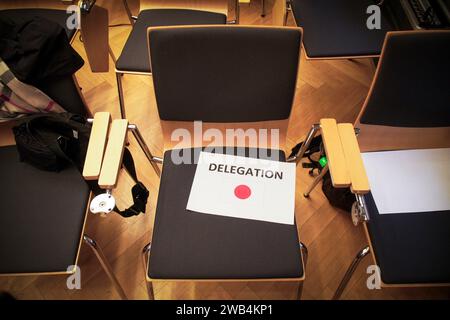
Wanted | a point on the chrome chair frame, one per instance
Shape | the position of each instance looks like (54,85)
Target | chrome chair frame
(105,265)
(350,271)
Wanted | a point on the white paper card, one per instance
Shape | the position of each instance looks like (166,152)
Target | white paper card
(409,180)
(241,187)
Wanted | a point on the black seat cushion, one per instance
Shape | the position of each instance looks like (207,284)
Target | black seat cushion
(55,15)
(338,28)
(190,245)
(412,84)
(410,247)
(134,56)
(41,216)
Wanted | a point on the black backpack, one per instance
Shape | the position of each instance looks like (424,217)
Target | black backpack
(341,198)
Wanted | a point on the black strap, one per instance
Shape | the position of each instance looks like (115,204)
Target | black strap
(128,163)
(139,191)
(315,146)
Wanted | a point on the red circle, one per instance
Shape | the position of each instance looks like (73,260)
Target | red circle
(242,191)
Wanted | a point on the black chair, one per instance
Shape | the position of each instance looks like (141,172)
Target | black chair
(43,214)
(251,79)
(134,57)
(410,86)
(407,108)
(337,29)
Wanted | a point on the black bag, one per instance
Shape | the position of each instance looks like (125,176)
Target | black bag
(341,198)
(315,150)
(52,141)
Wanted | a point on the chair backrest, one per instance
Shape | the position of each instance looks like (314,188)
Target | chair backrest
(408,105)
(224,73)
(239,81)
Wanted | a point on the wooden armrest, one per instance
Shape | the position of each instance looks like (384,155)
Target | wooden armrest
(335,155)
(96,147)
(113,154)
(352,154)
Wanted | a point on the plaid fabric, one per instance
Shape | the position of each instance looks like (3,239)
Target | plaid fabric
(18,99)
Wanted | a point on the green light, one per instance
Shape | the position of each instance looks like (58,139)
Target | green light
(323,161)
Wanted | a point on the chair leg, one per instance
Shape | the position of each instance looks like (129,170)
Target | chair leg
(263,10)
(301,152)
(145,253)
(121,99)
(316,181)
(152,159)
(105,265)
(351,269)
(304,251)
(237,12)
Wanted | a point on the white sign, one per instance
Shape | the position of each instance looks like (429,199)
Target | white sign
(246,188)
(409,180)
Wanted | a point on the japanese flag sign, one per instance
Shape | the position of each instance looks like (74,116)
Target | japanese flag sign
(246,188)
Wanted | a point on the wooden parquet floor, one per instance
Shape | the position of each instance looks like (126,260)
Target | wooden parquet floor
(325,89)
